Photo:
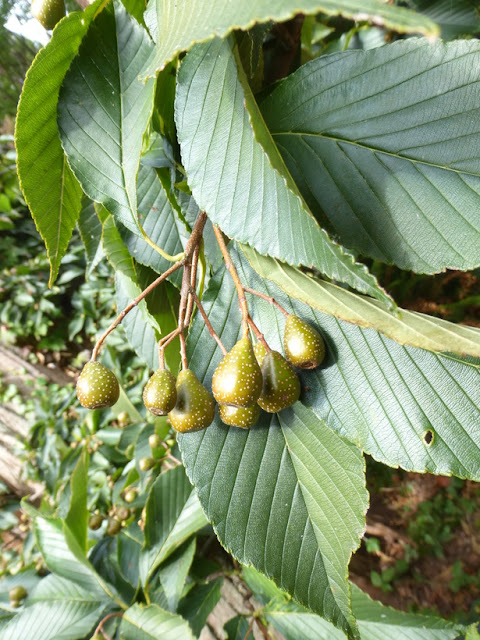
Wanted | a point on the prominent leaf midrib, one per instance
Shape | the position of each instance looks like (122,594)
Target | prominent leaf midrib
(372,149)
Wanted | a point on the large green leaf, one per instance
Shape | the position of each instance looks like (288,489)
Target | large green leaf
(160,222)
(50,189)
(57,610)
(153,623)
(77,515)
(237,175)
(405,406)
(384,145)
(104,110)
(375,621)
(64,557)
(454,19)
(287,496)
(177,26)
(406,327)
(199,604)
(174,572)
(90,229)
(173,515)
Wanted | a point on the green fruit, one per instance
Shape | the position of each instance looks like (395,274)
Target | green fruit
(160,394)
(281,386)
(122,513)
(304,346)
(195,408)
(130,495)
(244,417)
(260,353)
(113,527)
(48,12)
(16,594)
(145,464)
(95,521)
(97,386)
(237,379)
(154,441)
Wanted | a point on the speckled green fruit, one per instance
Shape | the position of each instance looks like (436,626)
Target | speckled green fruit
(97,386)
(195,408)
(281,386)
(237,379)
(17,593)
(260,353)
(130,495)
(145,464)
(113,527)
(303,345)
(160,393)
(122,513)
(244,417)
(95,521)
(48,12)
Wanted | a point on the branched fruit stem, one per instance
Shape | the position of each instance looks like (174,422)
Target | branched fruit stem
(258,334)
(206,319)
(268,299)
(186,262)
(242,301)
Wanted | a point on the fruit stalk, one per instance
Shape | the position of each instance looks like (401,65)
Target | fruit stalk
(242,301)
(258,334)
(269,299)
(206,319)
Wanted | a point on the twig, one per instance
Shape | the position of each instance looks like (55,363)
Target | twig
(193,282)
(100,629)
(269,299)
(208,324)
(133,304)
(242,301)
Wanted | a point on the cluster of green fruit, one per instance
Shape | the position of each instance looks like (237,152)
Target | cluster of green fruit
(117,518)
(48,12)
(246,380)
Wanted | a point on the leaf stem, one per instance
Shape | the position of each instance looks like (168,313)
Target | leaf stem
(164,254)
(100,629)
(242,301)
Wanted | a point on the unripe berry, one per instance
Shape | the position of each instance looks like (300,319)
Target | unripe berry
(160,394)
(237,379)
(95,521)
(16,594)
(130,495)
(195,408)
(145,464)
(122,513)
(281,386)
(304,346)
(113,527)
(97,386)
(48,12)
(244,417)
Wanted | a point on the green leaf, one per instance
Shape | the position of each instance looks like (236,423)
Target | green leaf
(292,467)
(237,628)
(65,558)
(160,222)
(58,609)
(237,175)
(407,407)
(374,619)
(77,517)
(173,573)
(406,327)
(173,515)
(90,229)
(472,633)
(383,145)
(176,27)
(153,623)
(199,603)
(454,19)
(104,110)
(50,189)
